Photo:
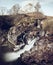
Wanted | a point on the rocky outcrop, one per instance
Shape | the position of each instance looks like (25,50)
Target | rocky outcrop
(42,51)
(40,54)
(18,35)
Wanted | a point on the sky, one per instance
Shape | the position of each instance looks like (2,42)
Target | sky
(46,5)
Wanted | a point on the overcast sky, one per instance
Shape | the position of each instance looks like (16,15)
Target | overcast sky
(46,5)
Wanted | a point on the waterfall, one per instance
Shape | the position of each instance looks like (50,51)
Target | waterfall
(12,56)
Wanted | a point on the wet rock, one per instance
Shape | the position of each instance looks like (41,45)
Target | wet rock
(18,34)
(40,54)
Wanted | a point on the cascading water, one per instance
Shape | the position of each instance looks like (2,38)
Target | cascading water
(12,56)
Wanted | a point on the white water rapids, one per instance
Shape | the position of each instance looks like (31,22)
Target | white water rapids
(12,56)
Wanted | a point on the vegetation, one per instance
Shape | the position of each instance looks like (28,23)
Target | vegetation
(48,25)
(14,10)
(16,24)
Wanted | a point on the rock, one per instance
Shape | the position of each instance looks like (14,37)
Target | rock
(41,53)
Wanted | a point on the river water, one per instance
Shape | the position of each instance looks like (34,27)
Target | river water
(12,56)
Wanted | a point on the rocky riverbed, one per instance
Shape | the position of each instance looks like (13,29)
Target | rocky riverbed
(30,46)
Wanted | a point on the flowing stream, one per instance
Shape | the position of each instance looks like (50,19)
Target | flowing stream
(12,56)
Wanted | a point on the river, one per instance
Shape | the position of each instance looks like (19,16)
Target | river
(12,56)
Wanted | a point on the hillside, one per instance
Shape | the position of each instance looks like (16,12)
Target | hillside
(22,28)
(10,20)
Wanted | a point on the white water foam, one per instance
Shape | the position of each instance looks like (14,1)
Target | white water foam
(12,56)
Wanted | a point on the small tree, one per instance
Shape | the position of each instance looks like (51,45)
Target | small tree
(28,7)
(15,9)
(2,10)
(9,12)
(30,4)
(37,7)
